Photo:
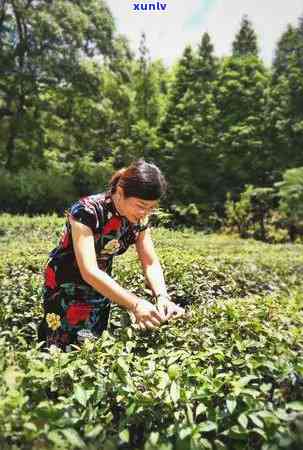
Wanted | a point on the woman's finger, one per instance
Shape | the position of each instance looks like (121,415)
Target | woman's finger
(141,326)
(163,312)
(149,324)
(132,317)
(179,312)
(157,315)
(154,321)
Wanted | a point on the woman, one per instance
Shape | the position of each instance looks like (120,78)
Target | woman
(78,287)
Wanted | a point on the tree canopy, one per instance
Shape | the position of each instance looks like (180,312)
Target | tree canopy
(76,103)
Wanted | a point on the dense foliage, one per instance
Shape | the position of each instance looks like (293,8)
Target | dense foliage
(75,104)
(269,214)
(227,377)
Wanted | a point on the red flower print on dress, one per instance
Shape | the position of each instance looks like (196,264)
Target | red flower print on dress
(50,277)
(113,225)
(78,312)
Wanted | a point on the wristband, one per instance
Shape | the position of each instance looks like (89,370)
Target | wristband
(136,305)
(166,296)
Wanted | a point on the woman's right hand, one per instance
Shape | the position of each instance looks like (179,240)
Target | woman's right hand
(147,315)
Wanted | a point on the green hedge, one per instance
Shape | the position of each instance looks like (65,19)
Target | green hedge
(230,376)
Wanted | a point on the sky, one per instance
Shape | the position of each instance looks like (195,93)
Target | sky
(184,21)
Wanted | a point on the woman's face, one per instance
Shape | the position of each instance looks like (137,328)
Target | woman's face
(135,209)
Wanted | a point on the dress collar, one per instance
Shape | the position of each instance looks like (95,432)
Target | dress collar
(110,202)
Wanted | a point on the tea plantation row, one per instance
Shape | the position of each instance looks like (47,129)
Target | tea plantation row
(228,376)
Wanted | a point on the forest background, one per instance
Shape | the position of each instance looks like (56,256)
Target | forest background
(76,104)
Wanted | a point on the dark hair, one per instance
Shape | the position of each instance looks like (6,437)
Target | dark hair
(141,179)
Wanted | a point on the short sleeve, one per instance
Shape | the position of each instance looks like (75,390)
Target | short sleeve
(143,226)
(85,211)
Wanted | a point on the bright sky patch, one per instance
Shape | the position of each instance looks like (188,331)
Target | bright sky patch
(184,21)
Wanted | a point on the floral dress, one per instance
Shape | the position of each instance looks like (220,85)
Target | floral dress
(70,304)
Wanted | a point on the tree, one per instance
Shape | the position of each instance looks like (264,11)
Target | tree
(41,46)
(206,61)
(285,109)
(286,51)
(241,97)
(251,212)
(190,124)
(147,92)
(245,42)
(144,86)
(291,199)
(184,77)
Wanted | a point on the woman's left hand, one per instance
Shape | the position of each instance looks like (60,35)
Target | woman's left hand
(169,309)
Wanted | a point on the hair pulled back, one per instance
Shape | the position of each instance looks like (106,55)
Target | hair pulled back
(141,179)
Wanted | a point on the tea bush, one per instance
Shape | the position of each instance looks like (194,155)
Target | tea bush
(272,215)
(229,376)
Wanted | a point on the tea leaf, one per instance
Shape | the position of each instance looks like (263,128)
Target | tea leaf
(175,392)
(207,426)
(295,406)
(124,436)
(243,421)
(73,437)
(231,405)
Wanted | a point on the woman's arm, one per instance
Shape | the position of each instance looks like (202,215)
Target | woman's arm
(154,275)
(150,263)
(83,242)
